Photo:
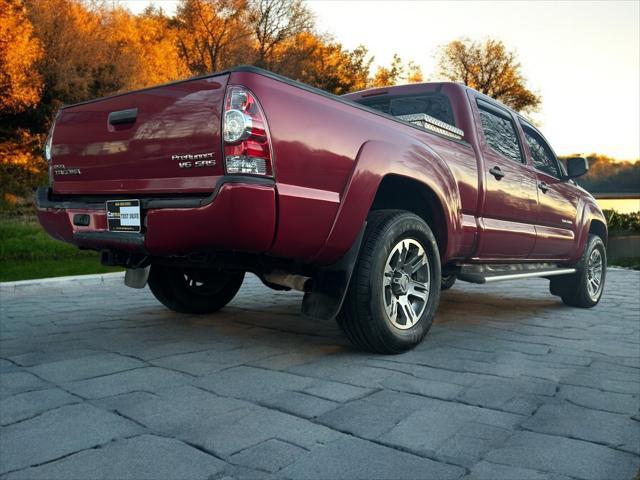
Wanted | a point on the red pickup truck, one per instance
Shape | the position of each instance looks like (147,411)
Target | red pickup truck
(370,203)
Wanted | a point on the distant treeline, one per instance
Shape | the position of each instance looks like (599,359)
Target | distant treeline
(607,175)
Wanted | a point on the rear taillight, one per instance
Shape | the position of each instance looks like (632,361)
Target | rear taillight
(245,134)
(47,149)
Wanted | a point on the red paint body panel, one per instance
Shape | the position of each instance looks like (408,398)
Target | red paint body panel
(325,146)
(242,218)
(230,223)
(329,159)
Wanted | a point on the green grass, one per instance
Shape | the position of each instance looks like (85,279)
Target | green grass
(11,270)
(27,252)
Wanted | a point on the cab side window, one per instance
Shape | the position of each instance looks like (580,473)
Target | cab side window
(500,132)
(541,154)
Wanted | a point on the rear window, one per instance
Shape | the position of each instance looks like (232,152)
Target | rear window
(435,104)
(500,132)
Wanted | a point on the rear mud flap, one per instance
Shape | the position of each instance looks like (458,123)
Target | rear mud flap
(330,285)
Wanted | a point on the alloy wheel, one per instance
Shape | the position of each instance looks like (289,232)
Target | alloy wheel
(406,283)
(594,274)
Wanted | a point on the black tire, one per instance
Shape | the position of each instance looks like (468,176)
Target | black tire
(448,281)
(577,290)
(193,290)
(363,316)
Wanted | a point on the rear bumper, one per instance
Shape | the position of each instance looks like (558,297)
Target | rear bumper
(240,215)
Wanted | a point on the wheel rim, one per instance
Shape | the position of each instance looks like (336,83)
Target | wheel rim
(594,274)
(201,282)
(406,283)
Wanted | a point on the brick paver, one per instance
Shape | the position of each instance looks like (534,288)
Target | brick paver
(100,381)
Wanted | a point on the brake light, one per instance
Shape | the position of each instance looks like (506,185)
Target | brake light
(246,139)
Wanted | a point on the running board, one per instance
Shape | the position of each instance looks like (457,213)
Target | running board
(489,273)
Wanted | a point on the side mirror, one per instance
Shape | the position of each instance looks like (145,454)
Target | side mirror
(577,166)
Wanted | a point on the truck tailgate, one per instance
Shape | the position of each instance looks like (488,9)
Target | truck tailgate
(161,140)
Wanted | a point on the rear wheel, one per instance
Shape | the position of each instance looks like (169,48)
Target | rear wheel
(584,288)
(395,287)
(193,290)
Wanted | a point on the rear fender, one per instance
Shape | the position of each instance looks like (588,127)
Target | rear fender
(375,160)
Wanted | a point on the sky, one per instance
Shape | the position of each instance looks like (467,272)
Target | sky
(583,58)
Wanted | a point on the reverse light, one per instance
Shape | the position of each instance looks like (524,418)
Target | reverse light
(246,141)
(245,164)
(237,126)
(48,147)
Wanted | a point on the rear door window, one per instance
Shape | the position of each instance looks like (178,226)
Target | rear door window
(500,132)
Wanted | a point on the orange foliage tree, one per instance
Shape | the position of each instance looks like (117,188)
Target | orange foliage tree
(142,48)
(55,52)
(72,67)
(396,73)
(92,50)
(321,62)
(489,68)
(212,34)
(274,23)
(20,82)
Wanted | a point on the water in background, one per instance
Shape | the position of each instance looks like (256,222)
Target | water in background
(623,205)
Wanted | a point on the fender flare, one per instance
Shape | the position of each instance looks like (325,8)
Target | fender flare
(590,213)
(375,160)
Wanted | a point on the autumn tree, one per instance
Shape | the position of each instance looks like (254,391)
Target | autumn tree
(73,68)
(489,68)
(212,34)
(143,48)
(20,83)
(275,22)
(321,62)
(396,73)
(413,73)
(93,50)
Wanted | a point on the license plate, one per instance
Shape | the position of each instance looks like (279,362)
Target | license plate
(123,215)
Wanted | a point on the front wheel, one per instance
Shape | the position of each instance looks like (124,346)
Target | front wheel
(193,290)
(584,288)
(448,281)
(395,287)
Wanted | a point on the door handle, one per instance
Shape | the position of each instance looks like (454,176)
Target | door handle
(496,172)
(544,186)
(123,116)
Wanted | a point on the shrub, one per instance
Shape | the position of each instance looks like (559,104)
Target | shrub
(622,222)
(22,169)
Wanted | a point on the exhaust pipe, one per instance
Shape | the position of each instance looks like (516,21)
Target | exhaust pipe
(296,282)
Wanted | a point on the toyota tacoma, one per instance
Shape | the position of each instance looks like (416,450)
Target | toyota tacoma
(370,203)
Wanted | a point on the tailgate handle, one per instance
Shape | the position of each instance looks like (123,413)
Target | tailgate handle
(123,116)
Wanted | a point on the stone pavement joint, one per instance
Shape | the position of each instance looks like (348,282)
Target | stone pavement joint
(101,381)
